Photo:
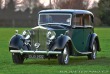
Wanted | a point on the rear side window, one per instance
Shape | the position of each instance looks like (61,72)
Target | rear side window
(87,19)
(82,19)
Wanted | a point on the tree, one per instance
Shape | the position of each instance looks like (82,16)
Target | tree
(3,3)
(71,4)
(95,10)
(18,13)
(104,8)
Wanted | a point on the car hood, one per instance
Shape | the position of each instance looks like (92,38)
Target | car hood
(55,27)
(58,29)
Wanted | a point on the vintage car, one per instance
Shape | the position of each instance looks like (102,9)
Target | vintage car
(60,33)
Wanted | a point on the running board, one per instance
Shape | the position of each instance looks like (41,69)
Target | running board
(85,53)
(35,52)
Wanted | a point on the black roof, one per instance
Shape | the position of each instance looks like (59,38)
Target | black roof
(74,11)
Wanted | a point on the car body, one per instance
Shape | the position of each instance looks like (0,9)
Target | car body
(60,33)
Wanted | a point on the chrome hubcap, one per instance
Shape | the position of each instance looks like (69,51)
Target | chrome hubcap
(65,55)
(94,51)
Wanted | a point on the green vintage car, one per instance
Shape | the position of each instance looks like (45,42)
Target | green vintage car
(60,33)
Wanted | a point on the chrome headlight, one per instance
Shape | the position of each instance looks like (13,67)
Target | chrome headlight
(51,35)
(26,35)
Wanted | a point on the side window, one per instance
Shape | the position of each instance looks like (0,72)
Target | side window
(87,19)
(78,20)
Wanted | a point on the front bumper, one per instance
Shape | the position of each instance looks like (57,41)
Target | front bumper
(35,52)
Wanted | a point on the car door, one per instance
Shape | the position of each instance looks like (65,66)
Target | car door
(78,32)
(88,30)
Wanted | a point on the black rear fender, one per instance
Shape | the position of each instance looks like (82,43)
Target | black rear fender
(94,36)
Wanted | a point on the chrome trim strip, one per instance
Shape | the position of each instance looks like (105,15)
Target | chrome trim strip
(35,52)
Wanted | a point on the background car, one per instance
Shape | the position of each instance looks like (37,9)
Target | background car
(60,33)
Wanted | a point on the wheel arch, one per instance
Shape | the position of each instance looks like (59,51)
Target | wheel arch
(95,37)
(61,42)
(16,43)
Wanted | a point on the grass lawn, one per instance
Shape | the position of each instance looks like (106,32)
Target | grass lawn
(77,65)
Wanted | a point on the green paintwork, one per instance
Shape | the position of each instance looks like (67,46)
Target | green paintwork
(81,38)
(78,39)
(59,32)
(87,33)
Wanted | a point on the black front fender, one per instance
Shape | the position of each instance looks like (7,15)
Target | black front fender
(60,42)
(16,43)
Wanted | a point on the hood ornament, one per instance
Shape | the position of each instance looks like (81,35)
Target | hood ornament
(37,45)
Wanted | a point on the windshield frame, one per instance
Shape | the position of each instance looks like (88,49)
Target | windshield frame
(55,14)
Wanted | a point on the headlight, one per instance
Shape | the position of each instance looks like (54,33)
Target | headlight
(24,33)
(51,35)
(27,37)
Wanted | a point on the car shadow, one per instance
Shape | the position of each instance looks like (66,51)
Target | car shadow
(73,61)
(97,61)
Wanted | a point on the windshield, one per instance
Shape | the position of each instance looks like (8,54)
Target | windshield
(55,18)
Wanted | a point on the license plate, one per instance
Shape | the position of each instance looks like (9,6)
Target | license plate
(36,56)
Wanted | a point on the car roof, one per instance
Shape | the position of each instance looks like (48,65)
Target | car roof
(73,11)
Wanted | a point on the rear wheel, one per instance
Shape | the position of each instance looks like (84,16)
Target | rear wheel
(92,56)
(63,58)
(17,58)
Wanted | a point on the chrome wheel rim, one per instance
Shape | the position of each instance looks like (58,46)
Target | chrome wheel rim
(65,55)
(94,51)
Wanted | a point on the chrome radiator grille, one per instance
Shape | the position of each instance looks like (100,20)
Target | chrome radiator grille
(39,38)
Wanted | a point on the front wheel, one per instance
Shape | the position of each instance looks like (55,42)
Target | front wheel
(92,56)
(63,58)
(17,58)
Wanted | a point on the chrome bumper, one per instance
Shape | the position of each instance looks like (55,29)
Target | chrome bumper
(35,52)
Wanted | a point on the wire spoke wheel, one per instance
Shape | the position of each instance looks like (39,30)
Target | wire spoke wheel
(93,55)
(64,57)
